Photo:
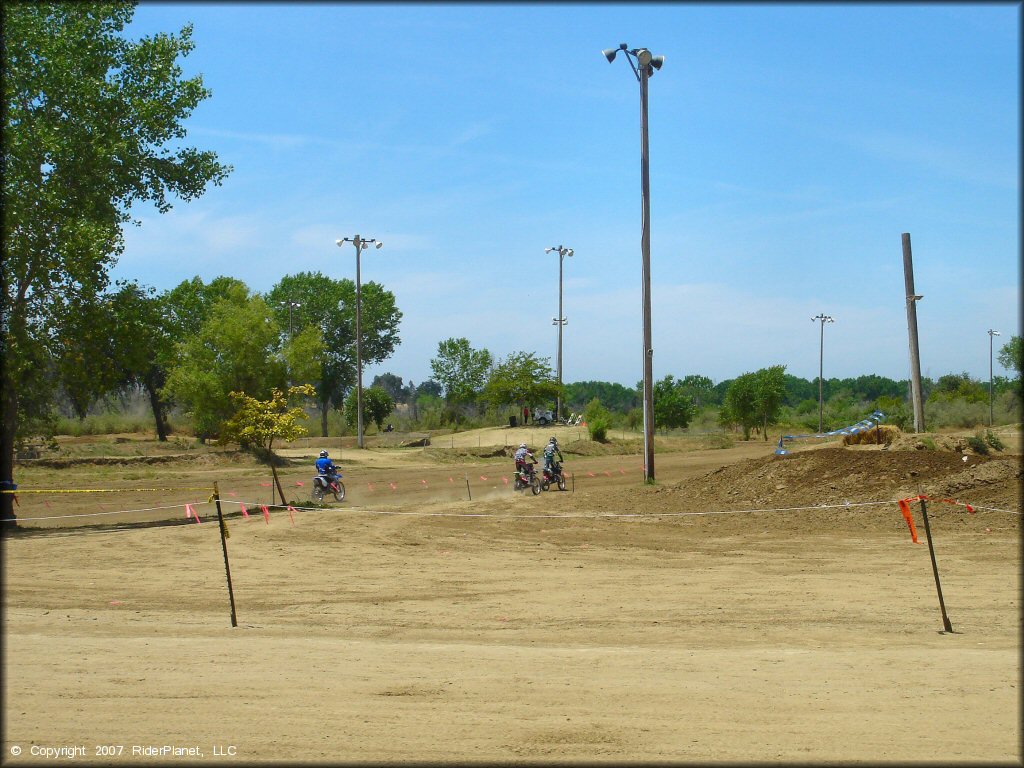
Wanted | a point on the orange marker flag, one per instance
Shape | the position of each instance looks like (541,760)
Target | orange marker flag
(245,512)
(370,486)
(905,509)
(299,483)
(266,513)
(504,479)
(483,478)
(291,514)
(393,486)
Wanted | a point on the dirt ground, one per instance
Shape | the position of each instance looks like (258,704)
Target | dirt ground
(747,607)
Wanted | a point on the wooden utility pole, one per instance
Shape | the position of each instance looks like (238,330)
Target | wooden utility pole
(915,353)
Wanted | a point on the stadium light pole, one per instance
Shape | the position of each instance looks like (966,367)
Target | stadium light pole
(291,305)
(821,360)
(559,321)
(360,243)
(991,333)
(646,64)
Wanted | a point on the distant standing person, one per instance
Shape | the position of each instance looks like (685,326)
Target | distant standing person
(526,414)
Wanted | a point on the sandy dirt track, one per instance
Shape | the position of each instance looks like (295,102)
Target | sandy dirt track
(606,625)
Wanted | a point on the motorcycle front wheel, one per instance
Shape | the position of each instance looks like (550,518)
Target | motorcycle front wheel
(339,495)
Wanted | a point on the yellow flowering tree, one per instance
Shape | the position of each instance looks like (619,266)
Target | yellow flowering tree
(257,423)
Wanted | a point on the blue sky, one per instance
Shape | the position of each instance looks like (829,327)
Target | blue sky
(790,146)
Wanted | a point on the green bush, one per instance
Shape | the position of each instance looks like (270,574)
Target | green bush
(958,414)
(977,445)
(598,429)
(993,440)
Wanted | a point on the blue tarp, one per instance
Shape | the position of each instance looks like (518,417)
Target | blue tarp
(864,425)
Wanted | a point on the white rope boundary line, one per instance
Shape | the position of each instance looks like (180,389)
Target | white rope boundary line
(117,512)
(257,506)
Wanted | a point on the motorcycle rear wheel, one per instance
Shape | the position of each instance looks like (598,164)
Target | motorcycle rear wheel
(535,485)
(318,493)
(561,482)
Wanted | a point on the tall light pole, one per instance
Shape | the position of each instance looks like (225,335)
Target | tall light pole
(821,360)
(916,396)
(360,243)
(645,66)
(559,321)
(291,305)
(991,333)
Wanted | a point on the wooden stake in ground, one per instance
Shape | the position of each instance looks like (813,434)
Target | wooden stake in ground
(224,546)
(935,568)
(277,482)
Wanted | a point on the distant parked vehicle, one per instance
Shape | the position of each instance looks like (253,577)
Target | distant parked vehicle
(543,416)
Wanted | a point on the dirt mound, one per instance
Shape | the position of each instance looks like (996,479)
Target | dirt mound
(64,463)
(834,475)
(456,455)
(611,448)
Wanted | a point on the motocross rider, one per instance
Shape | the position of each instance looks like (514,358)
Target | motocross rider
(549,454)
(521,456)
(327,468)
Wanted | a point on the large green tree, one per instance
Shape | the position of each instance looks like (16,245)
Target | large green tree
(754,400)
(699,388)
(461,370)
(330,305)
(93,124)
(1011,355)
(521,379)
(377,406)
(673,403)
(237,349)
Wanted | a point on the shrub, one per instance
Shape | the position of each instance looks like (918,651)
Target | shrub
(598,429)
(993,439)
(977,445)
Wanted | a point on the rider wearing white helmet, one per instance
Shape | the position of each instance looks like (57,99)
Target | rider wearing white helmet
(521,456)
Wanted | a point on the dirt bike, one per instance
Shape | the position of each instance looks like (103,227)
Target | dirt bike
(552,476)
(323,486)
(527,478)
